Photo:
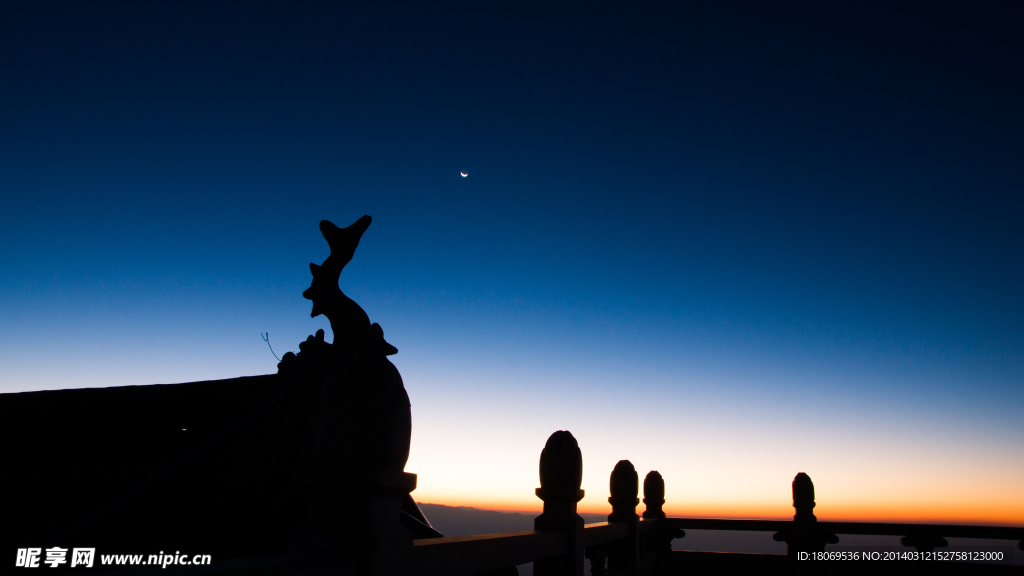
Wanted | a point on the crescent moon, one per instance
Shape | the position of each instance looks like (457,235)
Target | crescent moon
(464,174)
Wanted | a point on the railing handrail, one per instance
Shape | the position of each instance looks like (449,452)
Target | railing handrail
(863,528)
(481,553)
(728,524)
(949,530)
(600,533)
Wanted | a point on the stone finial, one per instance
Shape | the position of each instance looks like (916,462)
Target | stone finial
(561,473)
(803,496)
(623,485)
(654,495)
(561,467)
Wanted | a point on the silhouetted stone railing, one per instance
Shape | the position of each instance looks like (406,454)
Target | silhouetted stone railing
(625,544)
(628,544)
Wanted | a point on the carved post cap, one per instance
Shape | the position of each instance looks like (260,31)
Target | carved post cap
(623,485)
(654,495)
(654,487)
(803,495)
(561,468)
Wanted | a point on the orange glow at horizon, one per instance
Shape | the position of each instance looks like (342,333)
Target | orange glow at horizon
(727,460)
(912,513)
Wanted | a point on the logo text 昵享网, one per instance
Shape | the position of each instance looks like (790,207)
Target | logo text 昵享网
(86,557)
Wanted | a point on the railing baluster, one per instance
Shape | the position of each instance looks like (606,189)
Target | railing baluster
(597,556)
(924,542)
(561,474)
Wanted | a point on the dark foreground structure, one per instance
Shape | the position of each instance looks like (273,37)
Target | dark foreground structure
(302,472)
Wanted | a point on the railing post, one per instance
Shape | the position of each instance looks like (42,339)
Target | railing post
(804,536)
(623,557)
(561,473)
(657,544)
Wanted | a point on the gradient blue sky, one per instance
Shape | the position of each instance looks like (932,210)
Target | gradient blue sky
(728,241)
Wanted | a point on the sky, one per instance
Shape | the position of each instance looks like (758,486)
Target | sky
(727,241)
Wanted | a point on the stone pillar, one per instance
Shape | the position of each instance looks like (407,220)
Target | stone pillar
(805,523)
(657,543)
(561,473)
(623,556)
(355,514)
(804,536)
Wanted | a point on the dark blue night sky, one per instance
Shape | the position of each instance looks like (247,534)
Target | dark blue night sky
(748,220)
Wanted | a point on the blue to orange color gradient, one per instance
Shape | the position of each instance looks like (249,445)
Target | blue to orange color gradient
(727,242)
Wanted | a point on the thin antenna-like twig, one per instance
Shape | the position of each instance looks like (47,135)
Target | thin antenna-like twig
(266,338)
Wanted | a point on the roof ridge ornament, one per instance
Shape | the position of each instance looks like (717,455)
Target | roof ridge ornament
(349,322)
